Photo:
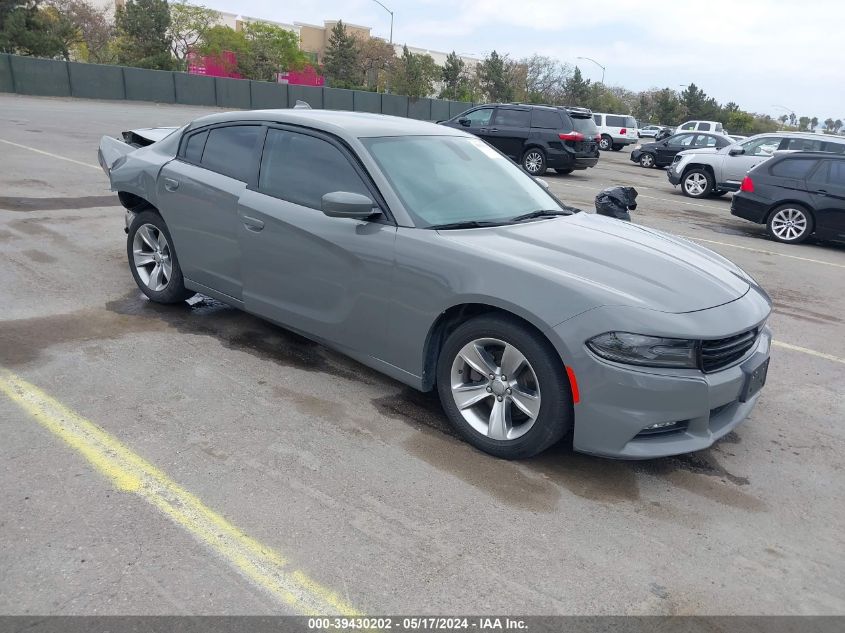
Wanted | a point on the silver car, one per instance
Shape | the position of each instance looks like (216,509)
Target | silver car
(424,253)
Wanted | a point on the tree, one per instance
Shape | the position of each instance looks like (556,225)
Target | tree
(803,122)
(698,105)
(740,122)
(269,49)
(455,79)
(341,58)
(188,25)
(793,120)
(814,123)
(542,79)
(414,75)
(27,28)
(837,125)
(493,78)
(375,61)
(577,89)
(93,31)
(783,118)
(142,28)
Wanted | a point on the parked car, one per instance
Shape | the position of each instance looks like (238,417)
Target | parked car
(422,252)
(796,195)
(701,126)
(661,153)
(537,137)
(736,138)
(616,130)
(649,131)
(712,171)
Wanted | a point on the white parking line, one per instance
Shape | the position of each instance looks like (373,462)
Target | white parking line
(758,250)
(41,151)
(811,352)
(678,201)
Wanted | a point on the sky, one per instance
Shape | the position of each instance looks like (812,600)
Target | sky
(768,56)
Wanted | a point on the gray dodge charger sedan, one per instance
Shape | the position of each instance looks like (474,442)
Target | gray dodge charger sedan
(424,253)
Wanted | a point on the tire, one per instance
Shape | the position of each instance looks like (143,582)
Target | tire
(566,171)
(647,160)
(539,387)
(716,193)
(149,249)
(697,183)
(534,161)
(617,148)
(605,143)
(790,224)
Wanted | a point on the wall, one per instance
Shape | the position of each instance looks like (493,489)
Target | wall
(51,78)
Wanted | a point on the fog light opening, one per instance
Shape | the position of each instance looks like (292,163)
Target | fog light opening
(660,428)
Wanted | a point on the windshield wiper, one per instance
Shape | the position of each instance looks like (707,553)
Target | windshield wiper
(542,213)
(467,224)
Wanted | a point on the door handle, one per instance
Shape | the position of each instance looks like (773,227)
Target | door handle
(493,129)
(252,224)
(822,192)
(170,184)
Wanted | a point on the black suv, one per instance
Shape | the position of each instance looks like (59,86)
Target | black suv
(535,136)
(795,195)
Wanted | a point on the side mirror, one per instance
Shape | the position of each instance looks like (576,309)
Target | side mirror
(465,122)
(344,204)
(736,151)
(543,183)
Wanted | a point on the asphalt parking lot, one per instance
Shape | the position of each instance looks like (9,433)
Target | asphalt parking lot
(237,468)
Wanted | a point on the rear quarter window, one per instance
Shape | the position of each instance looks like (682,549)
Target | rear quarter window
(793,167)
(547,119)
(616,121)
(194,146)
(835,148)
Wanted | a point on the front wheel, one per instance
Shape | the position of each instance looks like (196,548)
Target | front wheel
(647,160)
(790,224)
(697,183)
(534,162)
(503,387)
(153,261)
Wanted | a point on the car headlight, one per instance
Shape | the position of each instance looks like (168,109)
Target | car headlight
(650,351)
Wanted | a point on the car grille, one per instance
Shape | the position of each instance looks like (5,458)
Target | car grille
(722,352)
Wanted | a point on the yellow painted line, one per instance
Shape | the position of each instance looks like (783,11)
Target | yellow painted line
(758,250)
(131,473)
(811,352)
(41,151)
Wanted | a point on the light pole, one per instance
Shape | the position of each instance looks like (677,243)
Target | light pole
(387,88)
(590,59)
(790,110)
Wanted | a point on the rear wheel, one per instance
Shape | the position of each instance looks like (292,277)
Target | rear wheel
(503,387)
(153,261)
(790,223)
(534,161)
(605,143)
(697,183)
(647,160)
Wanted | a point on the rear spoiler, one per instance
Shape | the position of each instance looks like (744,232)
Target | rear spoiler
(112,149)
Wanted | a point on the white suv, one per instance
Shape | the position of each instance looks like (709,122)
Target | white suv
(616,130)
(701,126)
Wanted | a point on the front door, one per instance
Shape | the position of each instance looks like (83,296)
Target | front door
(667,149)
(477,122)
(756,151)
(510,130)
(827,188)
(329,278)
(198,196)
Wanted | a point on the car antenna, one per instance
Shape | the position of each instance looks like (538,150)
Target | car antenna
(301,105)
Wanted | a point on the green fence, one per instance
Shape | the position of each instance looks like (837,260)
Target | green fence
(51,78)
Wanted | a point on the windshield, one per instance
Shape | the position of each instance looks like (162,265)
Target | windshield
(447,179)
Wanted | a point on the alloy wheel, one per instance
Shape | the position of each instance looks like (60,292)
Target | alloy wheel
(495,389)
(695,184)
(533,162)
(647,160)
(152,257)
(789,224)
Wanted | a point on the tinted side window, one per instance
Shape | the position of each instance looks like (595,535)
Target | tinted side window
(830,172)
(616,121)
(301,169)
(793,167)
(684,140)
(704,127)
(230,150)
(836,148)
(512,118)
(704,140)
(765,146)
(194,146)
(545,119)
(802,144)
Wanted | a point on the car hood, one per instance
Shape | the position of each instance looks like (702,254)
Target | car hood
(700,150)
(617,262)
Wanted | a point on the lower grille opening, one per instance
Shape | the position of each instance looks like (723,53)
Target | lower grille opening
(663,429)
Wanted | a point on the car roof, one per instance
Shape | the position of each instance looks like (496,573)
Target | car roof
(338,122)
(802,154)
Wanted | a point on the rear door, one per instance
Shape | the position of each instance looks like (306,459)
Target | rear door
(510,129)
(827,188)
(327,277)
(198,198)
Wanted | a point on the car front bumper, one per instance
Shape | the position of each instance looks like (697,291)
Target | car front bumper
(673,176)
(635,155)
(618,402)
